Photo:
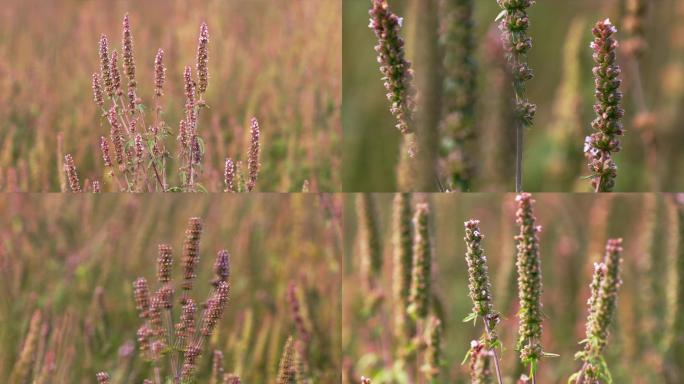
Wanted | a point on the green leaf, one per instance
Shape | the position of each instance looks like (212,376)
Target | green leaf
(471,316)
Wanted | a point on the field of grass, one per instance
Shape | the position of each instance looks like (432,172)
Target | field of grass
(70,263)
(645,342)
(562,89)
(277,61)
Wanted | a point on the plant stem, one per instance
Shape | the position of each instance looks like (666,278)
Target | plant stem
(518,156)
(496,356)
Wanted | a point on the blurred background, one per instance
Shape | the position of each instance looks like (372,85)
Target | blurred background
(73,261)
(646,340)
(278,61)
(562,89)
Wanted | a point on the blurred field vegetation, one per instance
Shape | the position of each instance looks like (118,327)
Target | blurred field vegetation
(74,261)
(575,228)
(278,61)
(562,88)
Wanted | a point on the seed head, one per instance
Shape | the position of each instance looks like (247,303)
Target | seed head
(139,148)
(231,378)
(215,308)
(192,354)
(128,62)
(286,368)
(144,339)
(185,328)
(600,146)
(95,185)
(159,73)
(191,252)
(116,134)
(478,272)
(422,264)
(229,175)
(97,91)
(605,305)
(104,147)
(217,367)
(72,176)
(165,295)
(203,59)
(141,294)
(528,263)
(221,268)
(396,70)
(105,70)
(253,158)
(514,26)
(116,76)
(190,117)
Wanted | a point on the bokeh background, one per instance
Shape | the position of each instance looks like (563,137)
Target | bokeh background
(278,61)
(74,260)
(562,89)
(574,232)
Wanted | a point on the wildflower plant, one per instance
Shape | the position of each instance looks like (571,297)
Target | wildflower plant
(396,70)
(514,24)
(183,342)
(600,146)
(528,263)
(602,306)
(141,160)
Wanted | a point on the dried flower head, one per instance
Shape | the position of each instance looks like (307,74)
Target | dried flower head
(72,176)
(600,146)
(104,147)
(528,263)
(221,268)
(286,368)
(105,70)
(95,185)
(164,263)
(191,251)
(396,70)
(203,59)
(229,175)
(139,148)
(97,91)
(478,272)
(215,307)
(365,380)
(192,354)
(253,163)
(128,61)
(159,73)
(422,264)
(165,295)
(116,76)
(231,378)
(602,305)
(116,134)
(185,328)
(141,294)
